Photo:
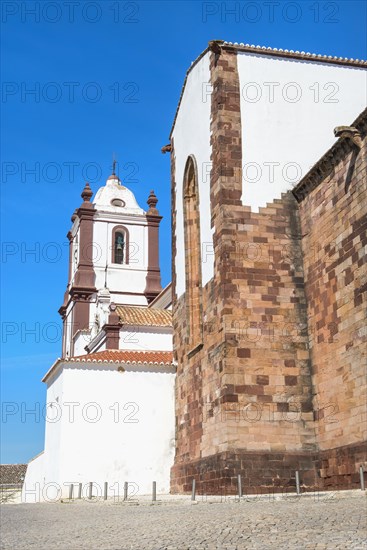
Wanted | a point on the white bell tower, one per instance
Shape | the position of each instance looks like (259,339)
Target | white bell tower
(113,259)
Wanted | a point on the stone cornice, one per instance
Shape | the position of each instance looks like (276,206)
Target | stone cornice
(328,161)
(86,210)
(128,219)
(81,293)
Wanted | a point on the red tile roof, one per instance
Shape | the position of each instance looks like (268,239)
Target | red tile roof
(12,473)
(126,356)
(134,357)
(143,316)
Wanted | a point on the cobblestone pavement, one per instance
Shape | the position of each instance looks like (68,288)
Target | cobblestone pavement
(310,522)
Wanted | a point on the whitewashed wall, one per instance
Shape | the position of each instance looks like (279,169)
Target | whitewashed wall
(191,136)
(289,109)
(43,473)
(117,427)
(34,480)
(146,338)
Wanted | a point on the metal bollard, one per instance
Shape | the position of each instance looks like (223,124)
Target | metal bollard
(361,477)
(297,483)
(125,490)
(154,497)
(71,490)
(105,489)
(90,490)
(239,481)
(80,488)
(193,492)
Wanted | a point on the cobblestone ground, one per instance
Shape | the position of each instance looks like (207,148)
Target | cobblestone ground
(312,522)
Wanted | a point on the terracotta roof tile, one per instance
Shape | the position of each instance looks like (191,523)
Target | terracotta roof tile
(143,316)
(12,473)
(126,356)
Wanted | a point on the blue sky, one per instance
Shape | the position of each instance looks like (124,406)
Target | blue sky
(106,78)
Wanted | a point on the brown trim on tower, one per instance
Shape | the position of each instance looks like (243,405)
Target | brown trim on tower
(153,280)
(70,238)
(112,329)
(62,309)
(84,280)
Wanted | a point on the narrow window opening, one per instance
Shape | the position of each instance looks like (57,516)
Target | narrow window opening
(119,247)
(192,255)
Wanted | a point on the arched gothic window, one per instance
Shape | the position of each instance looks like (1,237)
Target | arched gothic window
(192,254)
(120,245)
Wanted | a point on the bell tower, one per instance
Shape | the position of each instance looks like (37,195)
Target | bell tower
(113,259)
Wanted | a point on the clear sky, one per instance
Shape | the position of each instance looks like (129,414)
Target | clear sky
(106,77)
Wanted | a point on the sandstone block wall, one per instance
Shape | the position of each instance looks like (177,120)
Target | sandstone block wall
(334,227)
(277,382)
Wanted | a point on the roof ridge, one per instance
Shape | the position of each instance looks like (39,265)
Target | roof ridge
(292,53)
(127,357)
(89,356)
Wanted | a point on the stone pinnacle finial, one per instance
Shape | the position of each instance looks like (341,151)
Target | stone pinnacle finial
(152,203)
(87,193)
(113,318)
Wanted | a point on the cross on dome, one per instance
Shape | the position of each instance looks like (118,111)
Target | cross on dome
(113,176)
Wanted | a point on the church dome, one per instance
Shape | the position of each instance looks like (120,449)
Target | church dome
(115,197)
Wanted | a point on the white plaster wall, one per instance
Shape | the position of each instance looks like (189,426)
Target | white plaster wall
(146,339)
(34,480)
(54,427)
(109,426)
(68,327)
(42,479)
(81,340)
(127,435)
(191,136)
(129,299)
(289,109)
